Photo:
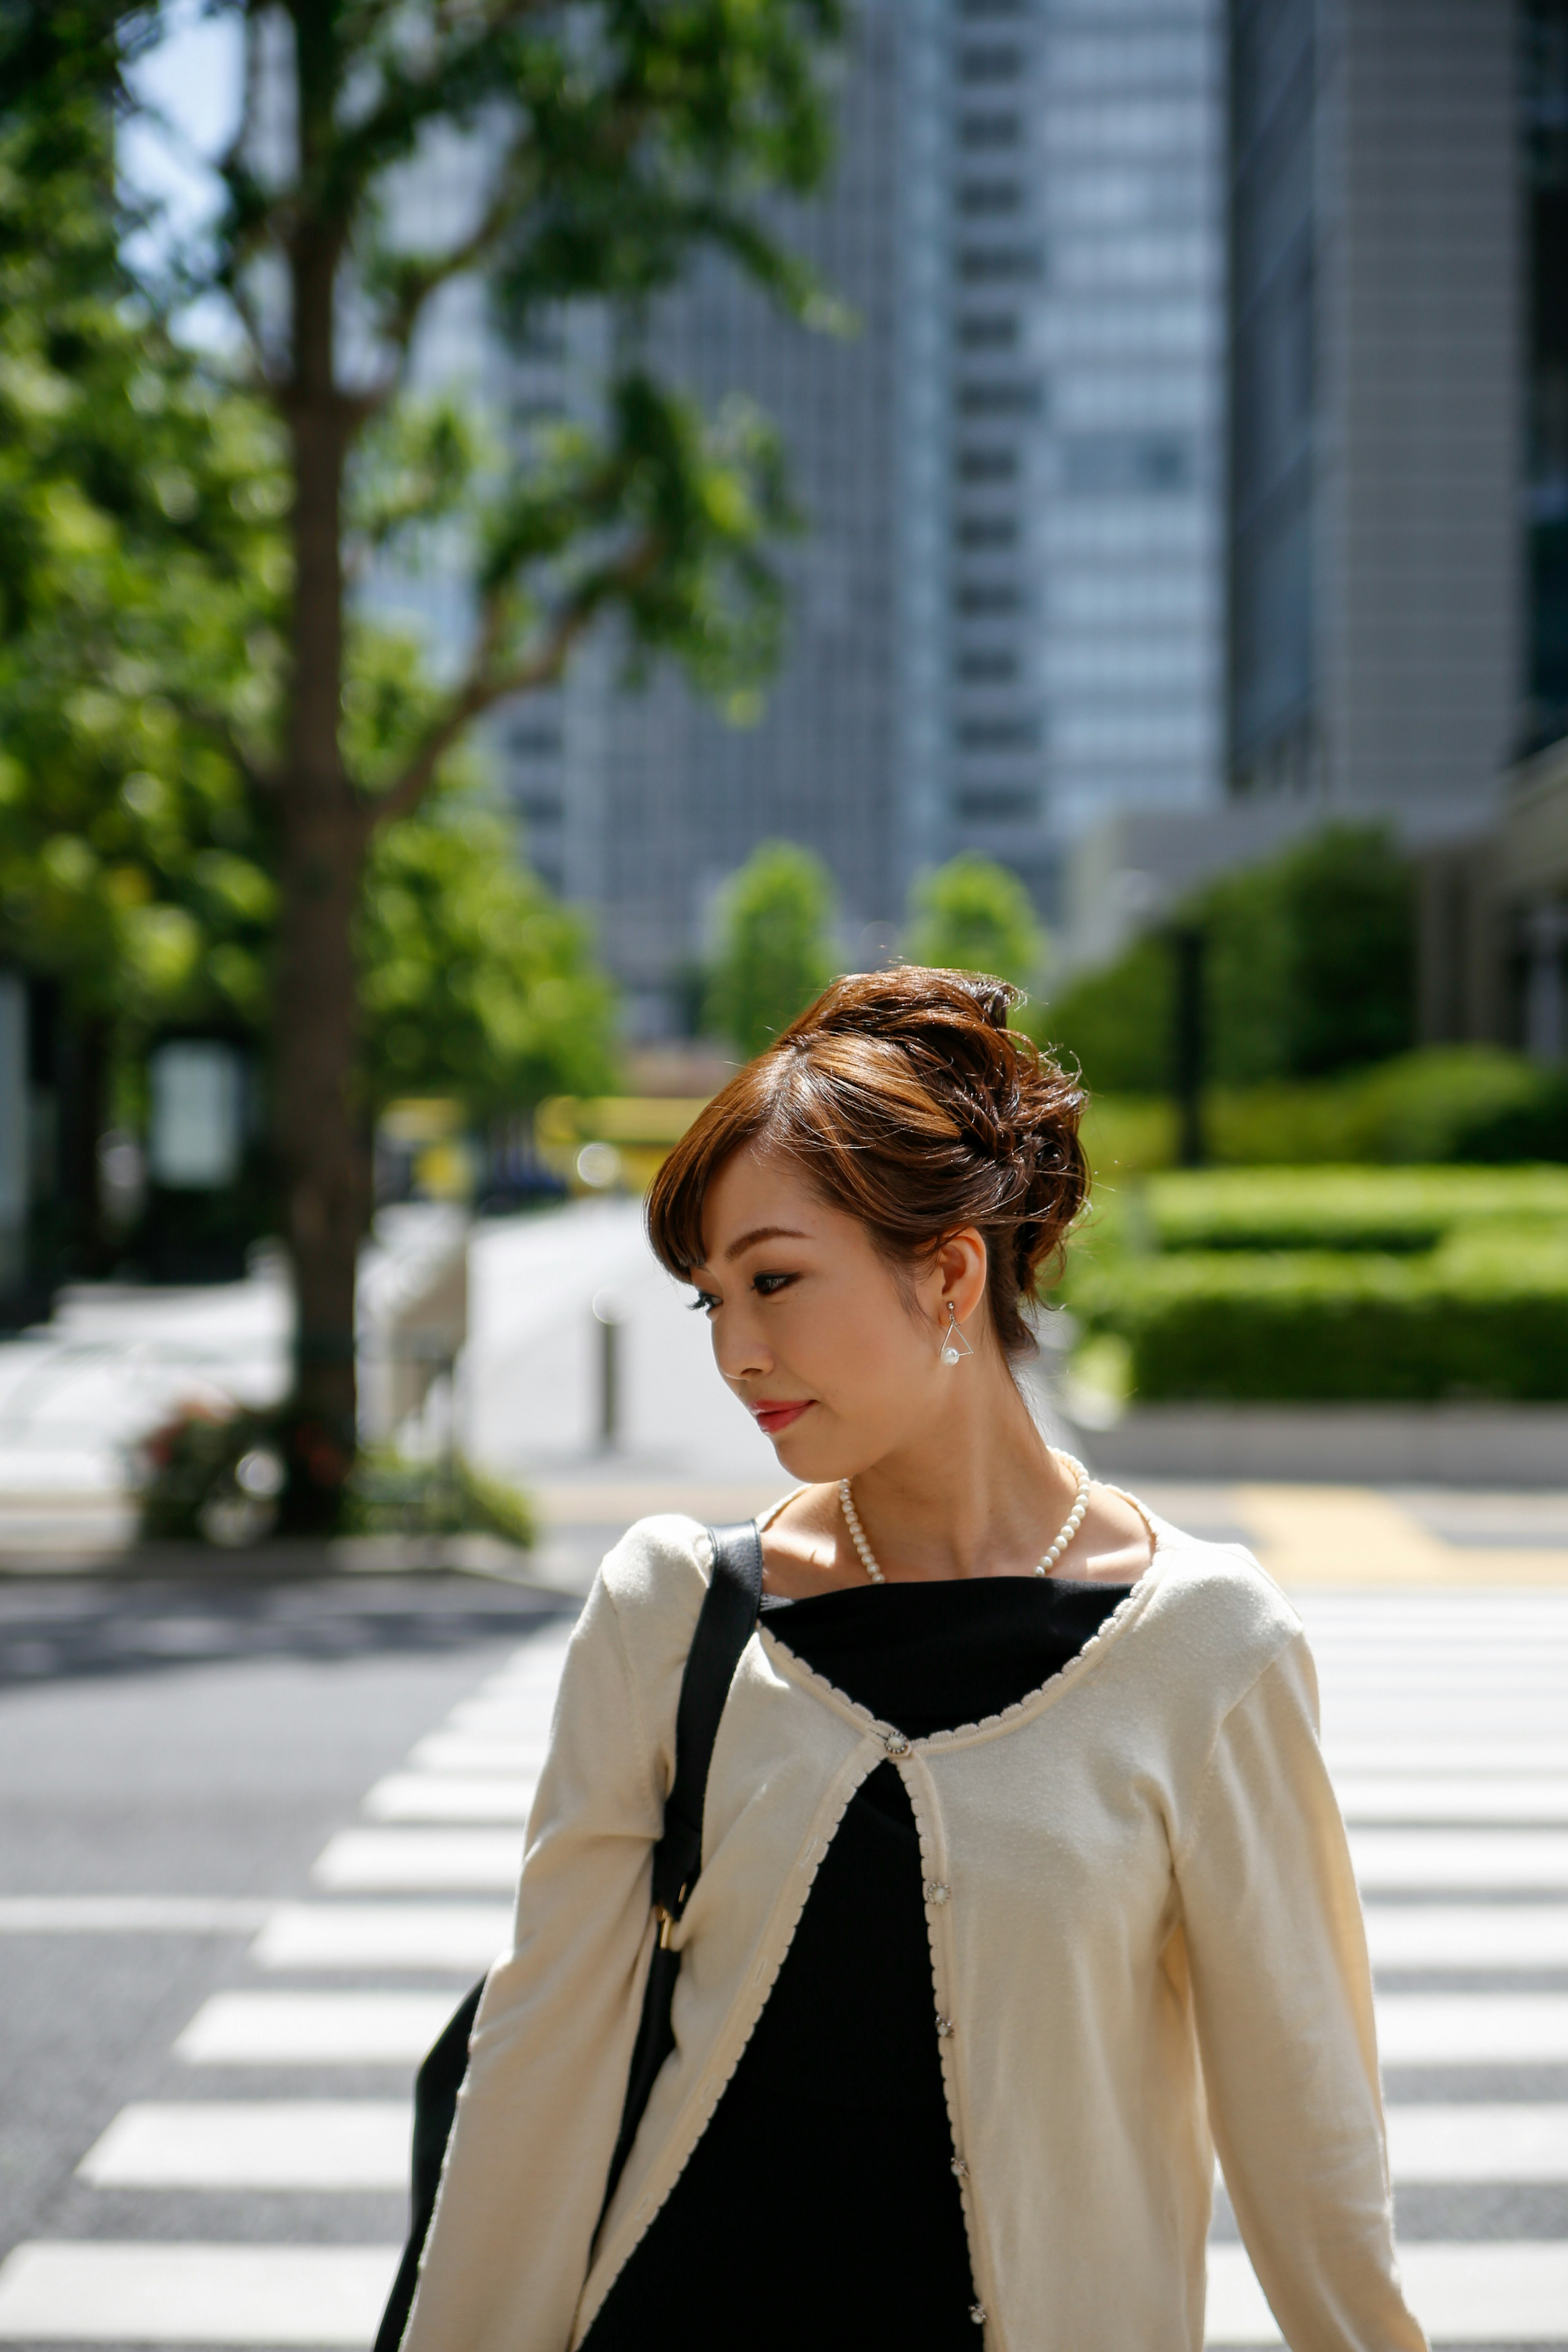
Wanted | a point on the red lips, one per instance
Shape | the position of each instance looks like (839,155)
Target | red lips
(773,1415)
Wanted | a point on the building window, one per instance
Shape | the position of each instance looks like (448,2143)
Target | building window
(977,532)
(995,332)
(998,399)
(994,806)
(991,63)
(990,131)
(982,598)
(999,735)
(999,265)
(534,742)
(988,665)
(979,199)
(1111,465)
(988,465)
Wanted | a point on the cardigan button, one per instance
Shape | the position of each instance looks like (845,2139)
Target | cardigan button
(945,2029)
(960,2169)
(936,1892)
(977,2312)
(898,1745)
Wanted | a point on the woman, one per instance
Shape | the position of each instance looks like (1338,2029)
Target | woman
(1022,1871)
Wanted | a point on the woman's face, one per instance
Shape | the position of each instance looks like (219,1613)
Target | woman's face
(839,1363)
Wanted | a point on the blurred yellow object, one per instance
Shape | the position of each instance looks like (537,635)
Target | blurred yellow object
(444,1171)
(611,1142)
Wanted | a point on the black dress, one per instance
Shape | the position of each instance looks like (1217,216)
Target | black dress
(820,2208)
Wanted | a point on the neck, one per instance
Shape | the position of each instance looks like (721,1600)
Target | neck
(971,1489)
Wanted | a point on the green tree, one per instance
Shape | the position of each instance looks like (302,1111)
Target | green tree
(774,952)
(476,983)
(972,915)
(1310,971)
(610,142)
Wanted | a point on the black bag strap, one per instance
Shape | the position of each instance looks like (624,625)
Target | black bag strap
(723,1628)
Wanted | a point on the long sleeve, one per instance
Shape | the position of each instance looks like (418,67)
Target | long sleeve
(541,2107)
(1282,1991)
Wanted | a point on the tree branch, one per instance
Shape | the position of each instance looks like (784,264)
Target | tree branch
(485,686)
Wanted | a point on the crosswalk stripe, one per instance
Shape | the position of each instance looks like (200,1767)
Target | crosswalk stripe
(448,1752)
(1410,1796)
(452,1797)
(299,2144)
(1473,2028)
(313,2029)
(460,1936)
(1389,1860)
(1440,1936)
(489,1718)
(1478,2143)
(100,2292)
(403,1861)
(1493,1758)
(1482,2291)
(131,1914)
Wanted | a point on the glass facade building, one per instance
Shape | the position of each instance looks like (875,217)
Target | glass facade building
(1007,611)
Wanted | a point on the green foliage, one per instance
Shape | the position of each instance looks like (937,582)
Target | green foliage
(774,954)
(1403,1210)
(1310,971)
(1443,1103)
(1278,1284)
(141,575)
(1303,1325)
(972,915)
(388,1494)
(476,982)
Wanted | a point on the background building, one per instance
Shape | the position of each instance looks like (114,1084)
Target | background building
(1007,611)
(1375,405)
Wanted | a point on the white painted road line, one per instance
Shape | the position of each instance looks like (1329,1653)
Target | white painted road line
(406,1861)
(1401,1797)
(453,1752)
(132,1915)
(314,2029)
(453,1797)
(1390,1859)
(1524,2142)
(1439,1936)
(1473,2028)
(1486,2292)
(1517,1757)
(103,2292)
(462,1936)
(489,1718)
(300,2144)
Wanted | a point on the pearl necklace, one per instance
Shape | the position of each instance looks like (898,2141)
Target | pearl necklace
(1073,1522)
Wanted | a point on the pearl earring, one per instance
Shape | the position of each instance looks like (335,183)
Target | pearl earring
(953,1344)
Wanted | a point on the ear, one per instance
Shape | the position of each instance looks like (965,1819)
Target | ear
(958,1275)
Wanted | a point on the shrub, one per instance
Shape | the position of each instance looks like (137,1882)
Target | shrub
(1404,1210)
(1312,1326)
(972,915)
(775,955)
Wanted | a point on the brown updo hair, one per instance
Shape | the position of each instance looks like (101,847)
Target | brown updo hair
(910,1103)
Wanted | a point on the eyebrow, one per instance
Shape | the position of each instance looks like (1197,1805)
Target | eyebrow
(764,1234)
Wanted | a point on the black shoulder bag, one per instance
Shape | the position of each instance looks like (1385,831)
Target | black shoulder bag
(723,1628)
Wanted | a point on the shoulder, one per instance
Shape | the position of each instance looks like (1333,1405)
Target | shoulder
(650,1587)
(1217,1612)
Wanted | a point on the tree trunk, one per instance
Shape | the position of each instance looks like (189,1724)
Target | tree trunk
(323,1150)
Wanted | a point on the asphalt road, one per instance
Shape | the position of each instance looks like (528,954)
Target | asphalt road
(191,1741)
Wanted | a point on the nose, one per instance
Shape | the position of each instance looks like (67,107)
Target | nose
(739,1348)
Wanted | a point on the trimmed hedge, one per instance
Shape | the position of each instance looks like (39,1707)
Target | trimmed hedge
(1318,1325)
(1403,1210)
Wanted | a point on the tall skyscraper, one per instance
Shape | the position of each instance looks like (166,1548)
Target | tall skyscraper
(1375,405)
(1006,613)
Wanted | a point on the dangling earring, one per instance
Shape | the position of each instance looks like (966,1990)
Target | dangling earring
(953,1344)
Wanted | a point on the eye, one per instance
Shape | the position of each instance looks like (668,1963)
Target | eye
(703,1304)
(767,1286)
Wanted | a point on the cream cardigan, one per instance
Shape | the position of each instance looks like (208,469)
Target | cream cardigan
(1145,1930)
